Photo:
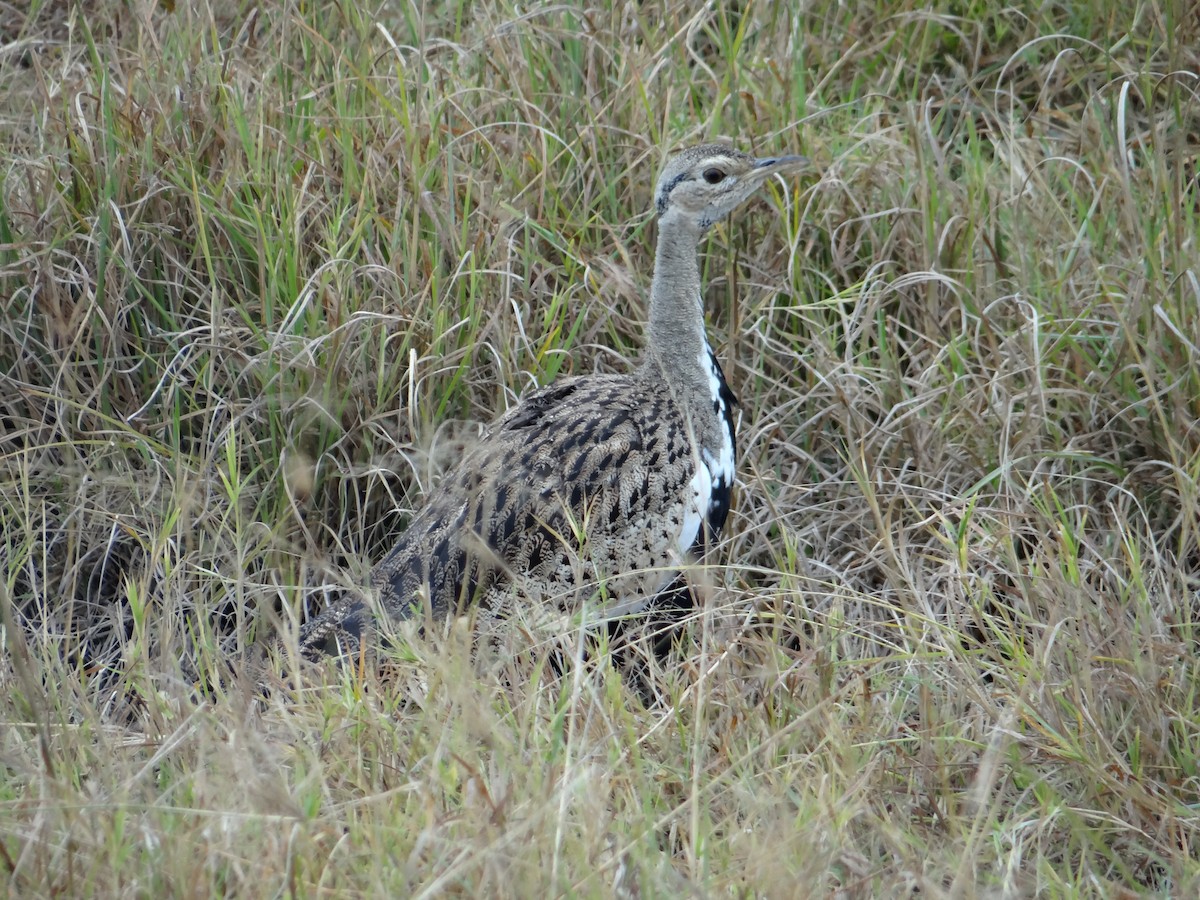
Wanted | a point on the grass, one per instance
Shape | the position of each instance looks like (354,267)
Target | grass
(264,269)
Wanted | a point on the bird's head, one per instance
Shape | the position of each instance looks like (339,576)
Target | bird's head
(702,185)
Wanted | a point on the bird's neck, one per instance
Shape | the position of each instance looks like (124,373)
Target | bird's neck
(676,338)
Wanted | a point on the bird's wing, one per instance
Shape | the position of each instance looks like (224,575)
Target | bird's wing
(561,488)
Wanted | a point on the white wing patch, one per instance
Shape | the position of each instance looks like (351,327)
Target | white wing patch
(695,509)
(714,472)
(714,377)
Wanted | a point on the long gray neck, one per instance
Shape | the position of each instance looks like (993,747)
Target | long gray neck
(676,336)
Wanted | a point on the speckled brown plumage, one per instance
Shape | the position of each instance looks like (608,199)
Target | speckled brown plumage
(593,488)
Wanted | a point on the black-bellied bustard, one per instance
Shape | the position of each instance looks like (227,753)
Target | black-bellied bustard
(599,486)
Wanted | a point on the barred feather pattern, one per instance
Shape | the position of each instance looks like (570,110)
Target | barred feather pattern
(585,482)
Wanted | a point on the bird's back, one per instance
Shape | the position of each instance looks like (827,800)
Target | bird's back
(587,482)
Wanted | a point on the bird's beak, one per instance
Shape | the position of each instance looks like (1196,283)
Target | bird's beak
(773,164)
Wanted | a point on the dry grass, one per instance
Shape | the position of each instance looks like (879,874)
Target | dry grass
(262,268)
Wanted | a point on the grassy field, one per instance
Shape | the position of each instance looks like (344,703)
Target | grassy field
(265,268)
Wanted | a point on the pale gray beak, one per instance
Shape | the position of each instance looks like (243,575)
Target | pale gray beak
(781,164)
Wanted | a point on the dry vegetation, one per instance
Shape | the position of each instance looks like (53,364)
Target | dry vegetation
(263,267)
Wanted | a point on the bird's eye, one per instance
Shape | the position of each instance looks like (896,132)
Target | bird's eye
(714,176)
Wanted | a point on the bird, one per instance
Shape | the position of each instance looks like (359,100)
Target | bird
(595,488)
